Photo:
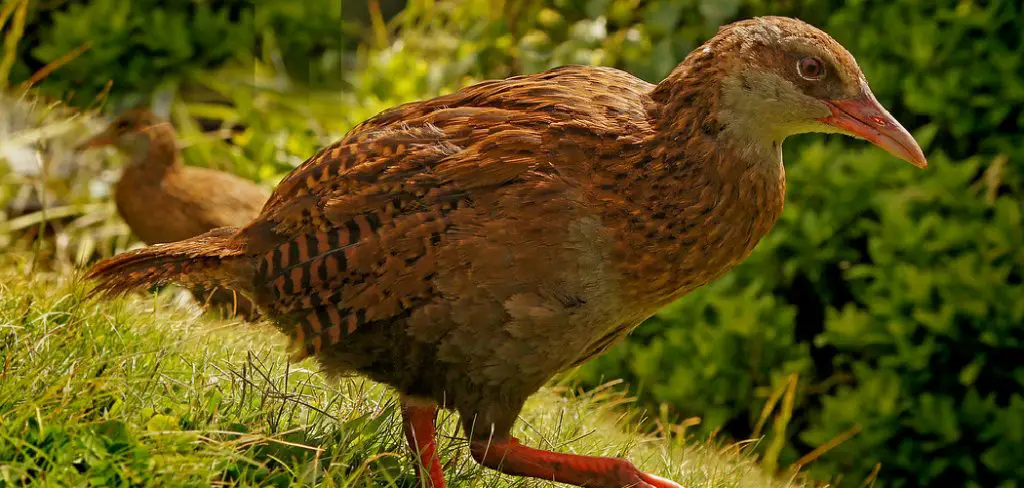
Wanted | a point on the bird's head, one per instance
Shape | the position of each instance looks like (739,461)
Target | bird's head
(135,132)
(780,76)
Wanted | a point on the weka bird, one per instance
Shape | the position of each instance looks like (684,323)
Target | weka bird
(464,249)
(162,200)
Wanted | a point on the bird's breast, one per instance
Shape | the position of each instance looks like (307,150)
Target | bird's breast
(695,234)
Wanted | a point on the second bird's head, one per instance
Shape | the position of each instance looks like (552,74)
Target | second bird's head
(780,76)
(136,133)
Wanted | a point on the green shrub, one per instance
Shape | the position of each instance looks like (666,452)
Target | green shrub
(143,45)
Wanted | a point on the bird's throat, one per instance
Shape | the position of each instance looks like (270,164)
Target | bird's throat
(154,155)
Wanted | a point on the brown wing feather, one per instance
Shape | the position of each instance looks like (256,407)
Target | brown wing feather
(349,237)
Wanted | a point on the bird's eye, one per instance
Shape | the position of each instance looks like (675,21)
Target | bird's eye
(811,68)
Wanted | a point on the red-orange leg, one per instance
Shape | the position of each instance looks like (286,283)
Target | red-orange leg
(418,421)
(511,457)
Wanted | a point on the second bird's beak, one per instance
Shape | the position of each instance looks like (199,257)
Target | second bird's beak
(864,117)
(104,138)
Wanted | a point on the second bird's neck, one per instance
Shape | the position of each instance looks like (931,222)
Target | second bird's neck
(155,159)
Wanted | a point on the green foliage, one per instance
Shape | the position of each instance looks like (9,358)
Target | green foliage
(139,46)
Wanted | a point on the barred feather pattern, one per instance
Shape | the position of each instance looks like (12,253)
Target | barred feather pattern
(210,259)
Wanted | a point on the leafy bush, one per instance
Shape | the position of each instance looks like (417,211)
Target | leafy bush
(139,46)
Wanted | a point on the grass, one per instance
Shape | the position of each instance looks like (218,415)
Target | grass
(144,391)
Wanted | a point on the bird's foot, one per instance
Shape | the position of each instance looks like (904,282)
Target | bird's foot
(511,457)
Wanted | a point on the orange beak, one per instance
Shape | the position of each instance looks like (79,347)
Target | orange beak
(864,117)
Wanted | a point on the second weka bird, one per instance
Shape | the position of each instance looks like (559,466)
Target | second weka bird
(163,200)
(465,249)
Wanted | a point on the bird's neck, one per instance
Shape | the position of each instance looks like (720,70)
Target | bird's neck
(157,156)
(703,194)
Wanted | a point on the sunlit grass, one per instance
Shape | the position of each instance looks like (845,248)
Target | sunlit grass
(142,390)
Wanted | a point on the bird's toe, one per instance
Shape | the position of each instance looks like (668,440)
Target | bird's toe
(653,481)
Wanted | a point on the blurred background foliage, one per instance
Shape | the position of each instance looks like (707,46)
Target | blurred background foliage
(881,322)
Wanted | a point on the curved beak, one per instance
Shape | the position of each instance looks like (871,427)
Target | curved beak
(864,117)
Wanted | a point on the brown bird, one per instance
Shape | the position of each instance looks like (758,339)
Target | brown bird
(465,249)
(162,200)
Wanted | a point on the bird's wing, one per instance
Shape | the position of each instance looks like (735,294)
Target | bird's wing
(350,236)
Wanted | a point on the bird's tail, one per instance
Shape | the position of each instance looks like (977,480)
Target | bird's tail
(211,259)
